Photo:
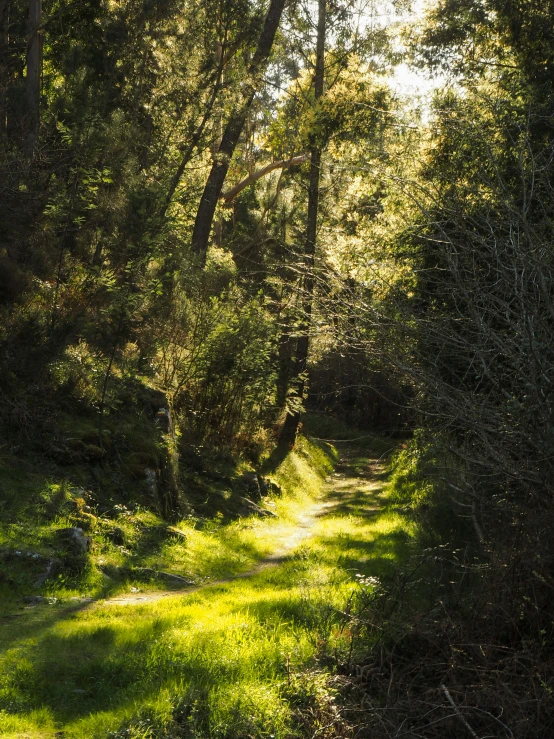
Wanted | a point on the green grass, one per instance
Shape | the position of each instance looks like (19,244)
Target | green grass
(236,659)
(37,504)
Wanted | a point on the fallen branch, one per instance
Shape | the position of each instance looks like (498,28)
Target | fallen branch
(166,575)
(457,711)
(111,570)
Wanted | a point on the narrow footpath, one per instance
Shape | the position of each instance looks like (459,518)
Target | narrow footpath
(355,489)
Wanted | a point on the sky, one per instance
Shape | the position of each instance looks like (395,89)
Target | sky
(380,13)
(409,81)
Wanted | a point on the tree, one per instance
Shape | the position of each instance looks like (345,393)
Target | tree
(34,69)
(233,129)
(292,419)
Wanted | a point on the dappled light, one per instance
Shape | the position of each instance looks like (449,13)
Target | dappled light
(246,632)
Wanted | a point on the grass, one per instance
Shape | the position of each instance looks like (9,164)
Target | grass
(37,504)
(243,658)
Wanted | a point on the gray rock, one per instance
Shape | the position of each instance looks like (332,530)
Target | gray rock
(51,569)
(250,507)
(75,539)
(38,600)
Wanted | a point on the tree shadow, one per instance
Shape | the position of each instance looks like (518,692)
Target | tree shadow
(277,457)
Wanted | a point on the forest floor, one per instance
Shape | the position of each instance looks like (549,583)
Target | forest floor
(245,654)
(348,490)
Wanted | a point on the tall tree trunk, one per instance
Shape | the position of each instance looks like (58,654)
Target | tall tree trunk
(292,419)
(34,68)
(5,75)
(285,366)
(233,129)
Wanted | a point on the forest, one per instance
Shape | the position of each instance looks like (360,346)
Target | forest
(277,369)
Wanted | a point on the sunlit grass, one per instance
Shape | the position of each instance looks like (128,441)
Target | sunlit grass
(211,550)
(228,647)
(219,551)
(231,659)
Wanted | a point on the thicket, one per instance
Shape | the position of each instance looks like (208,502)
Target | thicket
(472,328)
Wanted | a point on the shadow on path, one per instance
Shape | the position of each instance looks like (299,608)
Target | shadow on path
(355,488)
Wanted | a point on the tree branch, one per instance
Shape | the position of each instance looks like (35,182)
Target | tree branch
(230,195)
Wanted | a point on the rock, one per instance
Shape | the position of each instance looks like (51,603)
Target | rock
(37,600)
(250,507)
(51,569)
(51,564)
(251,482)
(257,486)
(75,539)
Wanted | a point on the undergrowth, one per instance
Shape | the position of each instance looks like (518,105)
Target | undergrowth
(458,642)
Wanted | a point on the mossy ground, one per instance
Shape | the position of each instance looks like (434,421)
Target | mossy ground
(244,658)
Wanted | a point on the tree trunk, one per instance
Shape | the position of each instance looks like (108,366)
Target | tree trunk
(292,420)
(231,135)
(34,67)
(5,75)
(285,367)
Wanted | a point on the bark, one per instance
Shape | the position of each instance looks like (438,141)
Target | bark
(34,68)
(292,420)
(4,70)
(285,366)
(231,135)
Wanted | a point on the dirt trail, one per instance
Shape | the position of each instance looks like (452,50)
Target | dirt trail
(343,491)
